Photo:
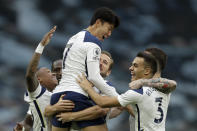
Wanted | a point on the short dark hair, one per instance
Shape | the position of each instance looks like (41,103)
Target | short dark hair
(149,59)
(110,56)
(159,55)
(107,15)
(52,64)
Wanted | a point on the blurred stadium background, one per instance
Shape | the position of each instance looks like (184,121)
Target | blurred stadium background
(168,24)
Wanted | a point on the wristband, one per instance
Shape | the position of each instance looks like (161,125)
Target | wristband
(39,48)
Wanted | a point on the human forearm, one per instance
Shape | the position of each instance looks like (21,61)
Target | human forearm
(162,84)
(86,114)
(103,101)
(31,80)
(49,110)
(98,99)
(98,81)
(89,113)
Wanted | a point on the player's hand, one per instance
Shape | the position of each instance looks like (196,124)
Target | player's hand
(136,84)
(64,117)
(18,127)
(47,37)
(83,82)
(64,105)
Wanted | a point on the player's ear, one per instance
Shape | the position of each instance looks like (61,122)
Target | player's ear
(98,22)
(147,70)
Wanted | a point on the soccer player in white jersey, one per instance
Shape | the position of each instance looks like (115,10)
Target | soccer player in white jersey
(40,84)
(27,123)
(81,55)
(106,63)
(151,104)
(161,58)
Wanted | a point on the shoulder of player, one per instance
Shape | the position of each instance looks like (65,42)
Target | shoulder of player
(139,91)
(150,90)
(91,40)
(40,91)
(109,83)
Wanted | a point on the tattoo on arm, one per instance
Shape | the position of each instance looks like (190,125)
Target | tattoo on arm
(31,79)
(161,84)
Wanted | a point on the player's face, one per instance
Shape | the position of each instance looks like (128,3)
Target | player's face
(48,78)
(105,62)
(57,69)
(137,68)
(104,30)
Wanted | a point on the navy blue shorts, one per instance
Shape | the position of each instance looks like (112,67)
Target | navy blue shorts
(81,102)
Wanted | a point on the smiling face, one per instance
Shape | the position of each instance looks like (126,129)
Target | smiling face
(102,29)
(47,79)
(137,69)
(105,63)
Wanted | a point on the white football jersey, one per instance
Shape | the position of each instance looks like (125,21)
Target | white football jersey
(38,100)
(81,50)
(131,123)
(75,57)
(150,108)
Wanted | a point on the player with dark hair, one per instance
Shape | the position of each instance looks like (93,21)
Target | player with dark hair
(106,64)
(56,67)
(81,55)
(164,85)
(150,104)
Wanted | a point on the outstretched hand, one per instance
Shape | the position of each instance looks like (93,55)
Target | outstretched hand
(47,37)
(83,82)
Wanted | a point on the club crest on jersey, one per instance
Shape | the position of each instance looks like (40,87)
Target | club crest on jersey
(96,52)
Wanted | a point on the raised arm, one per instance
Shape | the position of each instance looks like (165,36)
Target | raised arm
(31,80)
(162,84)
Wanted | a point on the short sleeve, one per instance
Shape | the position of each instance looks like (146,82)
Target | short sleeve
(130,97)
(36,93)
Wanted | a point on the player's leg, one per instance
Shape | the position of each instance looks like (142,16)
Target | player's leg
(102,127)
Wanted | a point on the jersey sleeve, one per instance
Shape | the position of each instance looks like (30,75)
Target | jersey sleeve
(93,53)
(130,97)
(35,93)
(93,57)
